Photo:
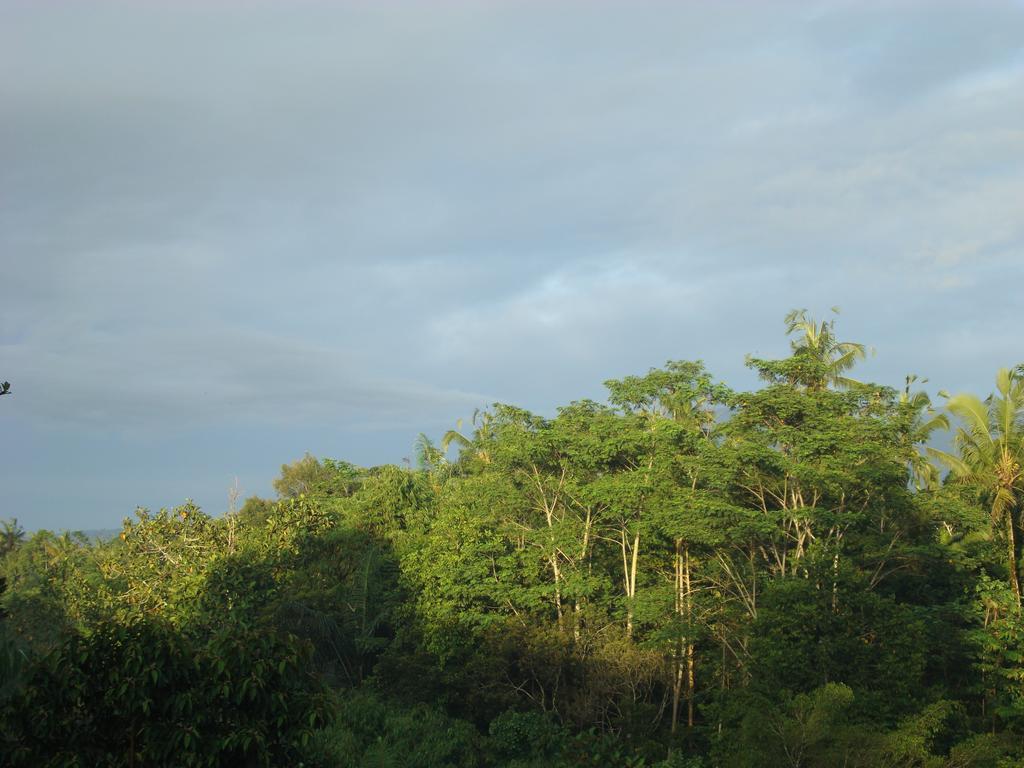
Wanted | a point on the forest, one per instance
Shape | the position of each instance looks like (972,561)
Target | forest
(819,572)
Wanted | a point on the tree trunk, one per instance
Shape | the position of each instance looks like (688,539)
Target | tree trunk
(684,660)
(558,592)
(1011,538)
(584,559)
(835,583)
(689,641)
(677,660)
(632,581)
(629,576)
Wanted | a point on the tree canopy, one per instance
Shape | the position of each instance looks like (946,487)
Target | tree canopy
(681,575)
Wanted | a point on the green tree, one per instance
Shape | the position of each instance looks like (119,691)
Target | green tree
(11,535)
(816,342)
(482,423)
(926,421)
(990,447)
(146,694)
(299,478)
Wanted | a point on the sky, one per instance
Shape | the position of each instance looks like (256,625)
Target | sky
(232,233)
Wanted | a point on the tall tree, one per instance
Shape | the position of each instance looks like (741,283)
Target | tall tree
(990,443)
(482,423)
(299,478)
(925,421)
(11,535)
(817,341)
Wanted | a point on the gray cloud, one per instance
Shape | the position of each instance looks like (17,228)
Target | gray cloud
(337,225)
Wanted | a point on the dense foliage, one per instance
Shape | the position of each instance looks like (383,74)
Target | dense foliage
(684,575)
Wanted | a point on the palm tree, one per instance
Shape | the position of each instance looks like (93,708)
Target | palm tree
(482,422)
(59,550)
(923,473)
(454,436)
(990,444)
(11,535)
(818,341)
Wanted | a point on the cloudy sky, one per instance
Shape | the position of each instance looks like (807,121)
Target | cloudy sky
(232,232)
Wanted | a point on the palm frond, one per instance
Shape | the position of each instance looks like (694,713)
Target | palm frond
(956,464)
(453,436)
(973,412)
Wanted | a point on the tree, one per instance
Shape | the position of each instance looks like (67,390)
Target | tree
(145,693)
(482,422)
(818,342)
(925,422)
(990,443)
(324,479)
(299,478)
(11,535)
(5,388)
(664,413)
